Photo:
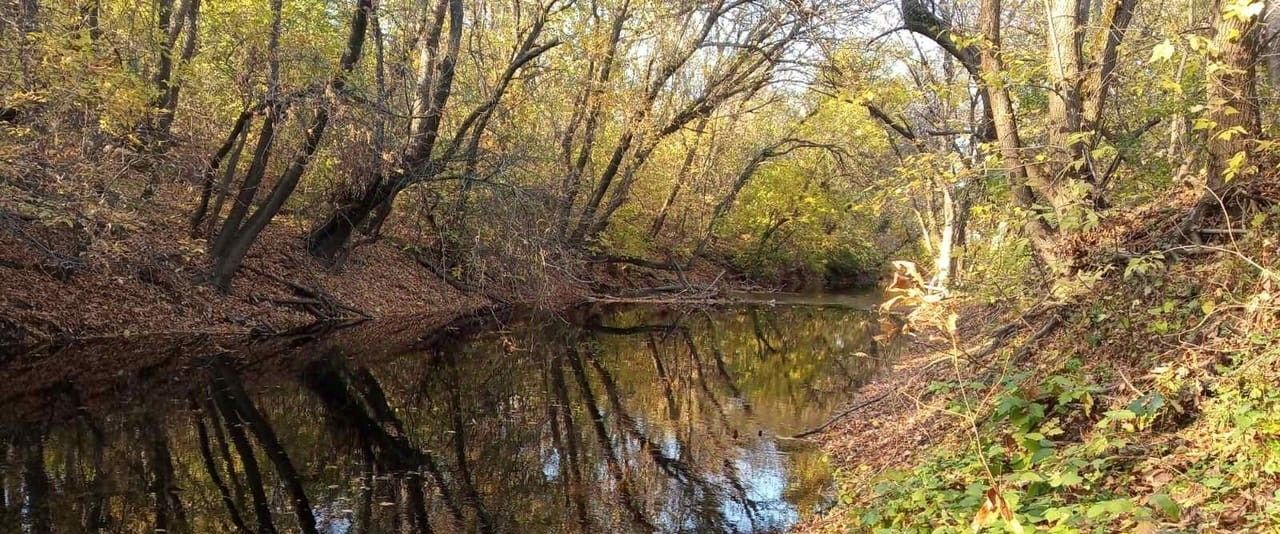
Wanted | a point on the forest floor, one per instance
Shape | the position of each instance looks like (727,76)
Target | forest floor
(131,268)
(83,260)
(1144,401)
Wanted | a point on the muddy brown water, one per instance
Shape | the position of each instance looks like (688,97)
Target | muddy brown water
(598,419)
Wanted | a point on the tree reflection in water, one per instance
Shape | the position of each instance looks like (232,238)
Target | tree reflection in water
(604,419)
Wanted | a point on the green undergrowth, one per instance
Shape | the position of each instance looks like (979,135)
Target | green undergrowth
(1154,409)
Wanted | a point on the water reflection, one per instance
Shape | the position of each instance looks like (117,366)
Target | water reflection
(602,420)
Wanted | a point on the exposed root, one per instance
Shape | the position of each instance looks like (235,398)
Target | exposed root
(313,301)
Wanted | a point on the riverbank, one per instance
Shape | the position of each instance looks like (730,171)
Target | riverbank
(1142,402)
(84,261)
(158,291)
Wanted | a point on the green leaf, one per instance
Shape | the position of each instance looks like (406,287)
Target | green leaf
(1067,479)
(1166,505)
(1111,508)
(1120,415)
(1057,514)
(1163,51)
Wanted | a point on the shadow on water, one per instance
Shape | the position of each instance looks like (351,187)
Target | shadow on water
(603,419)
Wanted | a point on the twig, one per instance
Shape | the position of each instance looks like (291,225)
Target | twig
(1045,330)
(1000,335)
(1268,273)
(837,417)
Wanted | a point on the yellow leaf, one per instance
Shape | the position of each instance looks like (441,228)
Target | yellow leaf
(995,507)
(1163,51)
(1145,527)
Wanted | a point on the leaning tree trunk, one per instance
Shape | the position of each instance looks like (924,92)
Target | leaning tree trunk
(593,100)
(236,244)
(681,176)
(274,108)
(234,139)
(420,161)
(434,85)
(1023,176)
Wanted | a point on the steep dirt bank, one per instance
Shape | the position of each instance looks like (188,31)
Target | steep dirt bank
(81,261)
(153,287)
(86,261)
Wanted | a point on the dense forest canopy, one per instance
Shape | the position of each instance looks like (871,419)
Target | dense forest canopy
(810,137)
(815,136)
(469,128)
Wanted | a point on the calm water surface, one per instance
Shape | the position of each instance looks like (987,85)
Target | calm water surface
(602,419)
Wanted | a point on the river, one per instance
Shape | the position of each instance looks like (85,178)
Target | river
(636,418)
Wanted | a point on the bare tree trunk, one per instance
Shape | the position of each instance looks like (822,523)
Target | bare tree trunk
(420,162)
(1022,176)
(428,49)
(722,208)
(1100,75)
(1232,95)
(1270,52)
(739,74)
(90,15)
(28,22)
(435,83)
(681,177)
(1233,106)
(329,240)
(918,18)
(228,174)
(458,234)
(942,262)
(1066,36)
(235,140)
(266,138)
(155,129)
(248,189)
(237,245)
(169,105)
(593,96)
